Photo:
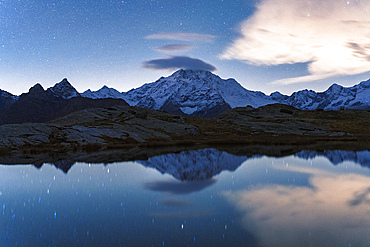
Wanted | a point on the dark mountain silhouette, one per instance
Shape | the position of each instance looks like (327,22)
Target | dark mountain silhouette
(6,99)
(39,105)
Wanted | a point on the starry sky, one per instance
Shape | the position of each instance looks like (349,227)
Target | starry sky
(266,45)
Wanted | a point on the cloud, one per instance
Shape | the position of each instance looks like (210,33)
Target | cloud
(174,48)
(182,36)
(178,62)
(312,216)
(332,36)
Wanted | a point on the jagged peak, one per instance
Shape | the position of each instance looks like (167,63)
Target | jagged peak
(278,96)
(36,88)
(106,88)
(335,87)
(36,91)
(64,89)
(304,91)
(63,83)
(276,93)
(65,80)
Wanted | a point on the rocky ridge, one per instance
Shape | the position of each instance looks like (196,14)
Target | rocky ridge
(40,106)
(101,126)
(104,92)
(335,98)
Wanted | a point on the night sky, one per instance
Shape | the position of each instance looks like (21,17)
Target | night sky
(266,45)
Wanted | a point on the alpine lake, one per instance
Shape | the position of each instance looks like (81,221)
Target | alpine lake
(192,198)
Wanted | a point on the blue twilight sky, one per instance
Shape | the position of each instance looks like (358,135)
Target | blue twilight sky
(266,45)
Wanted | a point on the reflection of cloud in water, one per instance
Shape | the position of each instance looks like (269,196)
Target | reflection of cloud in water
(334,212)
(183,214)
(361,197)
(175,203)
(175,187)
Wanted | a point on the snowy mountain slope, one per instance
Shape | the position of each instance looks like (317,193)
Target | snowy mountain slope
(64,90)
(195,165)
(201,93)
(194,92)
(335,98)
(104,92)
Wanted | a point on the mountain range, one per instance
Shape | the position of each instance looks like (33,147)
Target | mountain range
(185,92)
(40,105)
(202,93)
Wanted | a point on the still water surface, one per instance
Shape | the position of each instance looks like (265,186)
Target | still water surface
(194,198)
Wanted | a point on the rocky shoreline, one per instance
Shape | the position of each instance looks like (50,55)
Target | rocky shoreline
(119,133)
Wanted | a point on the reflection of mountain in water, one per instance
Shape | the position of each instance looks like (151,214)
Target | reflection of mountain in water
(64,165)
(336,157)
(195,165)
(206,163)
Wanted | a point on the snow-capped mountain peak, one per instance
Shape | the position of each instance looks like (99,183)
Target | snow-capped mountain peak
(202,93)
(194,92)
(193,74)
(64,89)
(104,92)
(334,98)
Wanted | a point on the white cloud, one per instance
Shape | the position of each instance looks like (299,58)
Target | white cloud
(332,36)
(174,48)
(183,36)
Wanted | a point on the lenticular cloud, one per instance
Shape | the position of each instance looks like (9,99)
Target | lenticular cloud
(178,62)
(332,36)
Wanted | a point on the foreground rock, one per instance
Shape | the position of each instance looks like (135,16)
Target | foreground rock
(137,133)
(103,126)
